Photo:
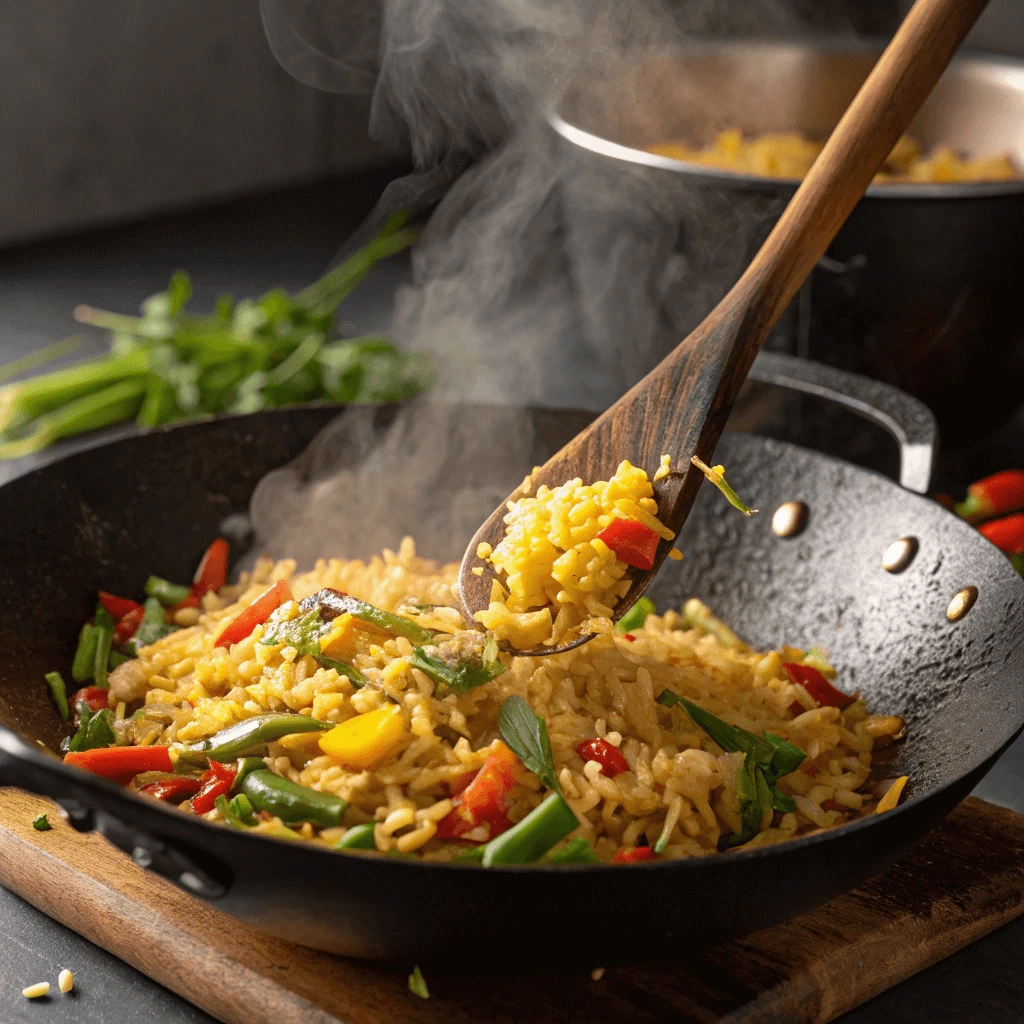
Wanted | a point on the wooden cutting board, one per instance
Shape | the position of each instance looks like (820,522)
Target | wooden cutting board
(961,882)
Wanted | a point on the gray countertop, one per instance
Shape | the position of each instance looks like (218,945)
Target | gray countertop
(245,247)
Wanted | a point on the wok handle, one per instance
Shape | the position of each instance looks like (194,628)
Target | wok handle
(906,418)
(192,869)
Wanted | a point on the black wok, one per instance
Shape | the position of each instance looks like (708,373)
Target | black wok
(109,516)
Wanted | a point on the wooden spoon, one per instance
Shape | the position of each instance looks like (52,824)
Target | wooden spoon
(681,406)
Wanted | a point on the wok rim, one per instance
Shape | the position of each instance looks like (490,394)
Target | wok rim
(21,750)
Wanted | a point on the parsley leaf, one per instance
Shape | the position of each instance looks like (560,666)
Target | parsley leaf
(527,737)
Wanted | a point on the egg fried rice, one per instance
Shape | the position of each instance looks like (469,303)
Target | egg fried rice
(679,790)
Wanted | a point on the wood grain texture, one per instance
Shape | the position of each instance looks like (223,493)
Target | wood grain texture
(681,406)
(961,882)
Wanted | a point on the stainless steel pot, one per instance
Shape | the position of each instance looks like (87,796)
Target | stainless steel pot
(919,289)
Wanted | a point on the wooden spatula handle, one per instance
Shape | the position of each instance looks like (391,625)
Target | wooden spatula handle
(882,110)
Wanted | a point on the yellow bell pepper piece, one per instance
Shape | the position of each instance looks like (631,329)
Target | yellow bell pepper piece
(363,741)
(892,795)
(337,643)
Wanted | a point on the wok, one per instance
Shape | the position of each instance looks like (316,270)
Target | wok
(108,516)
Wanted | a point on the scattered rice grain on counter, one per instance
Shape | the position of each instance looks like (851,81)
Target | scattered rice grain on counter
(673,786)
(65,981)
(37,991)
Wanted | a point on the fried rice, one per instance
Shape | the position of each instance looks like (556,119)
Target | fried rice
(680,786)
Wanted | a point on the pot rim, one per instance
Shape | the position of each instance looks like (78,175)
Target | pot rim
(742,181)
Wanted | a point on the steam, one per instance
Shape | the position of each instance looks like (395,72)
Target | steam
(540,279)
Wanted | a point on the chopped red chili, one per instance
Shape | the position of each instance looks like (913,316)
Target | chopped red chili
(607,756)
(821,691)
(485,800)
(634,855)
(127,625)
(119,607)
(1007,534)
(632,542)
(833,805)
(216,781)
(257,613)
(172,789)
(117,762)
(212,572)
(994,495)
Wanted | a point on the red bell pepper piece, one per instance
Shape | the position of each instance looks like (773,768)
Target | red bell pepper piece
(117,762)
(995,495)
(486,800)
(172,789)
(257,613)
(822,692)
(632,542)
(119,607)
(190,602)
(91,695)
(833,805)
(1007,534)
(212,572)
(608,757)
(634,855)
(127,624)
(216,781)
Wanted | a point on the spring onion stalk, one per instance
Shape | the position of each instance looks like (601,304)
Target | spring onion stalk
(40,357)
(59,690)
(85,655)
(168,364)
(716,475)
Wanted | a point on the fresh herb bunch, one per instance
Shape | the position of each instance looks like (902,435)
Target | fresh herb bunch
(169,364)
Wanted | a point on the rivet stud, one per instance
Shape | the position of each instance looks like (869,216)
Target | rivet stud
(789,519)
(961,604)
(899,554)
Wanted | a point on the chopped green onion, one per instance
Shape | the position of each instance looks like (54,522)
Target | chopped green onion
(716,475)
(167,593)
(85,654)
(59,690)
(417,983)
(359,837)
(636,616)
(40,824)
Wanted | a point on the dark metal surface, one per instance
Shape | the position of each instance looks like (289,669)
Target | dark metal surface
(72,527)
(920,287)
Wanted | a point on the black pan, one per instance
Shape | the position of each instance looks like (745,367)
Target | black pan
(109,516)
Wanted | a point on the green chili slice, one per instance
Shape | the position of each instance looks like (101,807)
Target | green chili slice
(59,690)
(291,802)
(85,655)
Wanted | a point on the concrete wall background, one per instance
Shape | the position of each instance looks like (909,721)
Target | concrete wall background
(112,109)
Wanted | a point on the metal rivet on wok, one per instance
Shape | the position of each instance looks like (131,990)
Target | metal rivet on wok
(789,519)
(899,554)
(961,604)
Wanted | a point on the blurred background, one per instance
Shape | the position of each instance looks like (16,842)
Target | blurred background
(114,112)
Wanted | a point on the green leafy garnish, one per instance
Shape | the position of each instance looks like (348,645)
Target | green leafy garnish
(96,730)
(153,627)
(40,824)
(417,983)
(766,760)
(526,734)
(716,475)
(169,364)
(462,676)
(636,616)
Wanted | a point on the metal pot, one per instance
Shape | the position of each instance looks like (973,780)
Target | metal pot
(109,516)
(921,286)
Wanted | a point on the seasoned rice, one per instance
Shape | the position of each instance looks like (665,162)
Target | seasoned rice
(679,779)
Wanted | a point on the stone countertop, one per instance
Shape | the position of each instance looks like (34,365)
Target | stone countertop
(287,238)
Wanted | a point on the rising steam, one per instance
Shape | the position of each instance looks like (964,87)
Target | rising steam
(540,279)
